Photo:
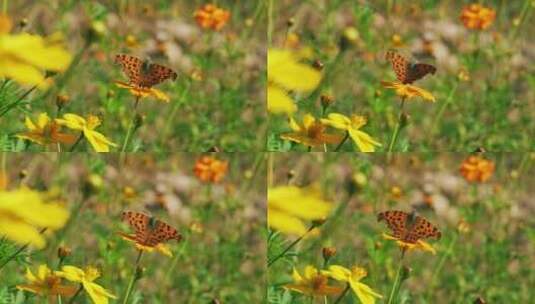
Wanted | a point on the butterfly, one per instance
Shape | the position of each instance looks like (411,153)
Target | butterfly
(408,72)
(150,231)
(408,227)
(142,73)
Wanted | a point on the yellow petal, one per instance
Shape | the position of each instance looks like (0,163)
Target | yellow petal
(298,202)
(159,95)
(308,120)
(98,141)
(337,120)
(21,232)
(365,294)
(42,120)
(285,70)
(71,273)
(338,273)
(278,101)
(22,73)
(364,141)
(72,121)
(310,272)
(285,223)
(296,276)
(97,293)
(294,125)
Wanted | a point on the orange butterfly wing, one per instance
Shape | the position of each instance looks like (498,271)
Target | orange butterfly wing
(418,71)
(156,74)
(422,229)
(139,222)
(145,235)
(131,67)
(161,233)
(405,71)
(395,220)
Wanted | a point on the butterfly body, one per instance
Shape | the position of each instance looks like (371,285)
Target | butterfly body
(406,71)
(143,73)
(150,231)
(408,227)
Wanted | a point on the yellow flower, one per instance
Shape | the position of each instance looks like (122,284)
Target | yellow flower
(407,91)
(160,247)
(23,213)
(477,17)
(212,17)
(44,131)
(98,141)
(312,283)
(285,73)
(353,276)
(289,206)
(97,293)
(143,92)
(352,125)
(311,133)
(46,283)
(23,57)
(405,246)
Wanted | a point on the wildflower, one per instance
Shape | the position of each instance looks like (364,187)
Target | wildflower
(477,169)
(160,247)
(24,57)
(287,73)
(463,226)
(312,283)
(87,126)
(212,17)
(397,41)
(352,125)
(407,91)
(142,92)
(406,246)
(97,293)
(289,207)
(328,253)
(23,213)
(46,283)
(353,276)
(45,131)
(209,169)
(311,133)
(477,16)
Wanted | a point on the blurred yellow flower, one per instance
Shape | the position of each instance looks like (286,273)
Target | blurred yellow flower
(311,133)
(477,169)
(477,17)
(313,283)
(353,276)
(23,213)
(46,283)
(45,131)
(143,92)
(87,126)
(160,247)
(24,57)
(287,73)
(212,17)
(97,293)
(407,91)
(406,246)
(289,207)
(352,125)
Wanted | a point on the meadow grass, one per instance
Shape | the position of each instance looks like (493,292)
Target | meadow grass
(488,256)
(216,101)
(221,253)
(483,84)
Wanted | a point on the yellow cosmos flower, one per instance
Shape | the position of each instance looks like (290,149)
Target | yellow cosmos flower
(160,247)
(407,91)
(352,125)
(97,293)
(405,246)
(353,276)
(313,283)
(311,133)
(23,213)
(287,73)
(98,141)
(143,92)
(289,207)
(24,57)
(46,283)
(45,131)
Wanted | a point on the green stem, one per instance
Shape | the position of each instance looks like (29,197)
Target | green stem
(441,262)
(396,284)
(77,142)
(342,142)
(14,255)
(280,255)
(395,134)
(133,279)
(342,295)
(438,117)
(16,102)
(130,128)
(76,294)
